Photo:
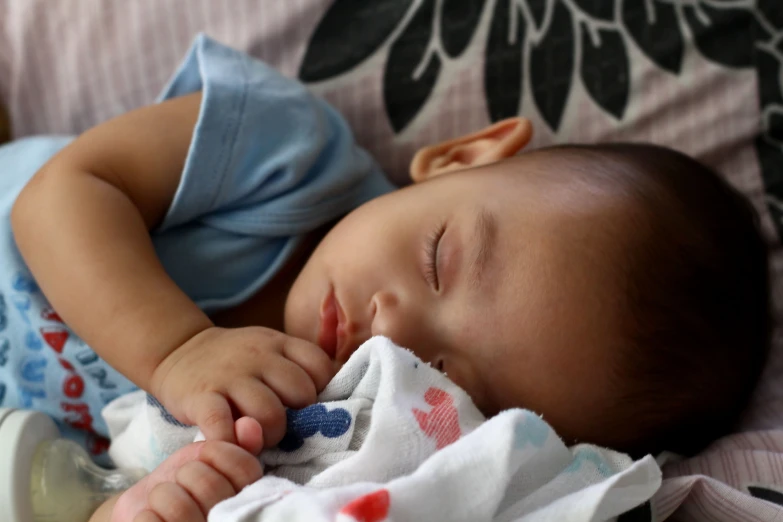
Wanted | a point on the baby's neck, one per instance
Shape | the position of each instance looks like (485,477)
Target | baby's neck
(267,306)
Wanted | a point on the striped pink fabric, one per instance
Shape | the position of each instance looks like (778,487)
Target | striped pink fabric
(65,66)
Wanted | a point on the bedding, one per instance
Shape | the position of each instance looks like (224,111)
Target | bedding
(394,437)
(702,76)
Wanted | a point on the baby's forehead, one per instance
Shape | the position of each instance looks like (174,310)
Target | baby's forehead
(587,170)
(560,186)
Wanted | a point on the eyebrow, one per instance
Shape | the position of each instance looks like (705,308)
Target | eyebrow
(484,245)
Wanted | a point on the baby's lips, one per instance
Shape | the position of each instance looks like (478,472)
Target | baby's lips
(327,333)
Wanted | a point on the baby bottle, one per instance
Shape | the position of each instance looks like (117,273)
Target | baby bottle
(44,478)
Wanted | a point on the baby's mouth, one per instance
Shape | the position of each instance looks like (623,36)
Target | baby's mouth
(337,335)
(330,324)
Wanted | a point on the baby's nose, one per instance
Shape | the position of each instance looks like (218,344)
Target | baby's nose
(385,314)
(402,320)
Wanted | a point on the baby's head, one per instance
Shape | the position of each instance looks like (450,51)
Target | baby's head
(619,290)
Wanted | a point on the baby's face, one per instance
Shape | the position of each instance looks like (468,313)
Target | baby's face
(499,276)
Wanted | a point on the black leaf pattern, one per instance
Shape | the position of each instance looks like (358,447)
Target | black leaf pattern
(503,67)
(774,124)
(459,20)
(552,66)
(769,495)
(768,147)
(719,39)
(769,143)
(771,158)
(657,33)
(537,9)
(769,70)
(350,32)
(606,70)
(601,9)
(772,11)
(403,93)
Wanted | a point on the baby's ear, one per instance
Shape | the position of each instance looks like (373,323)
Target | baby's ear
(489,145)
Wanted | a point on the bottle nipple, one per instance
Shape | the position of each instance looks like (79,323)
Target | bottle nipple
(44,478)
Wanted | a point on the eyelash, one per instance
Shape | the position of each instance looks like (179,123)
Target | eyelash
(433,242)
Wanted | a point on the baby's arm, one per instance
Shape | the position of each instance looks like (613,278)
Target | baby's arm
(82,225)
(91,207)
(189,483)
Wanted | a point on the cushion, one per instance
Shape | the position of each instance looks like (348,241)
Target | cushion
(703,77)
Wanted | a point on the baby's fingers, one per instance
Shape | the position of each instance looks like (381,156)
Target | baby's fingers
(147,516)
(290,382)
(172,503)
(212,414)
(237,465)
(204,484)
(255,399)
(312,359)
(250,435)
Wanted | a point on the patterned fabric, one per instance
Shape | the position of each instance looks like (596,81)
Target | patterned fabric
(702,76)
(43,365)
(389,435)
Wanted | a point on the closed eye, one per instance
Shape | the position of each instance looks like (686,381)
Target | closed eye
(431,269)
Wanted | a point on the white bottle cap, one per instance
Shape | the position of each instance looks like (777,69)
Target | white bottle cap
(21,432)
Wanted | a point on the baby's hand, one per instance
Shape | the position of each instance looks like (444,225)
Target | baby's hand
(250,371)
(189,483)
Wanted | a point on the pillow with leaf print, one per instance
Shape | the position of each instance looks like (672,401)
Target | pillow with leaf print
(702,76)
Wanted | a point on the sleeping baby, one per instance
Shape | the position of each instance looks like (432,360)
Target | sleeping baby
(228,249)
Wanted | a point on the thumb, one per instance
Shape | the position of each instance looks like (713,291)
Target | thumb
(250,435)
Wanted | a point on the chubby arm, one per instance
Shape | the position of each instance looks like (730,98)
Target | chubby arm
(82,225)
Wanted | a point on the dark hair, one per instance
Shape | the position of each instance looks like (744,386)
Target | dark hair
(696,289)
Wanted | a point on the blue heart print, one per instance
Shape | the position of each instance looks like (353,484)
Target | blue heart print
(24,283)
(587,455)
(26,396)
(22,304)
(532,431)
(33,369)
(32,341)
(304,423)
